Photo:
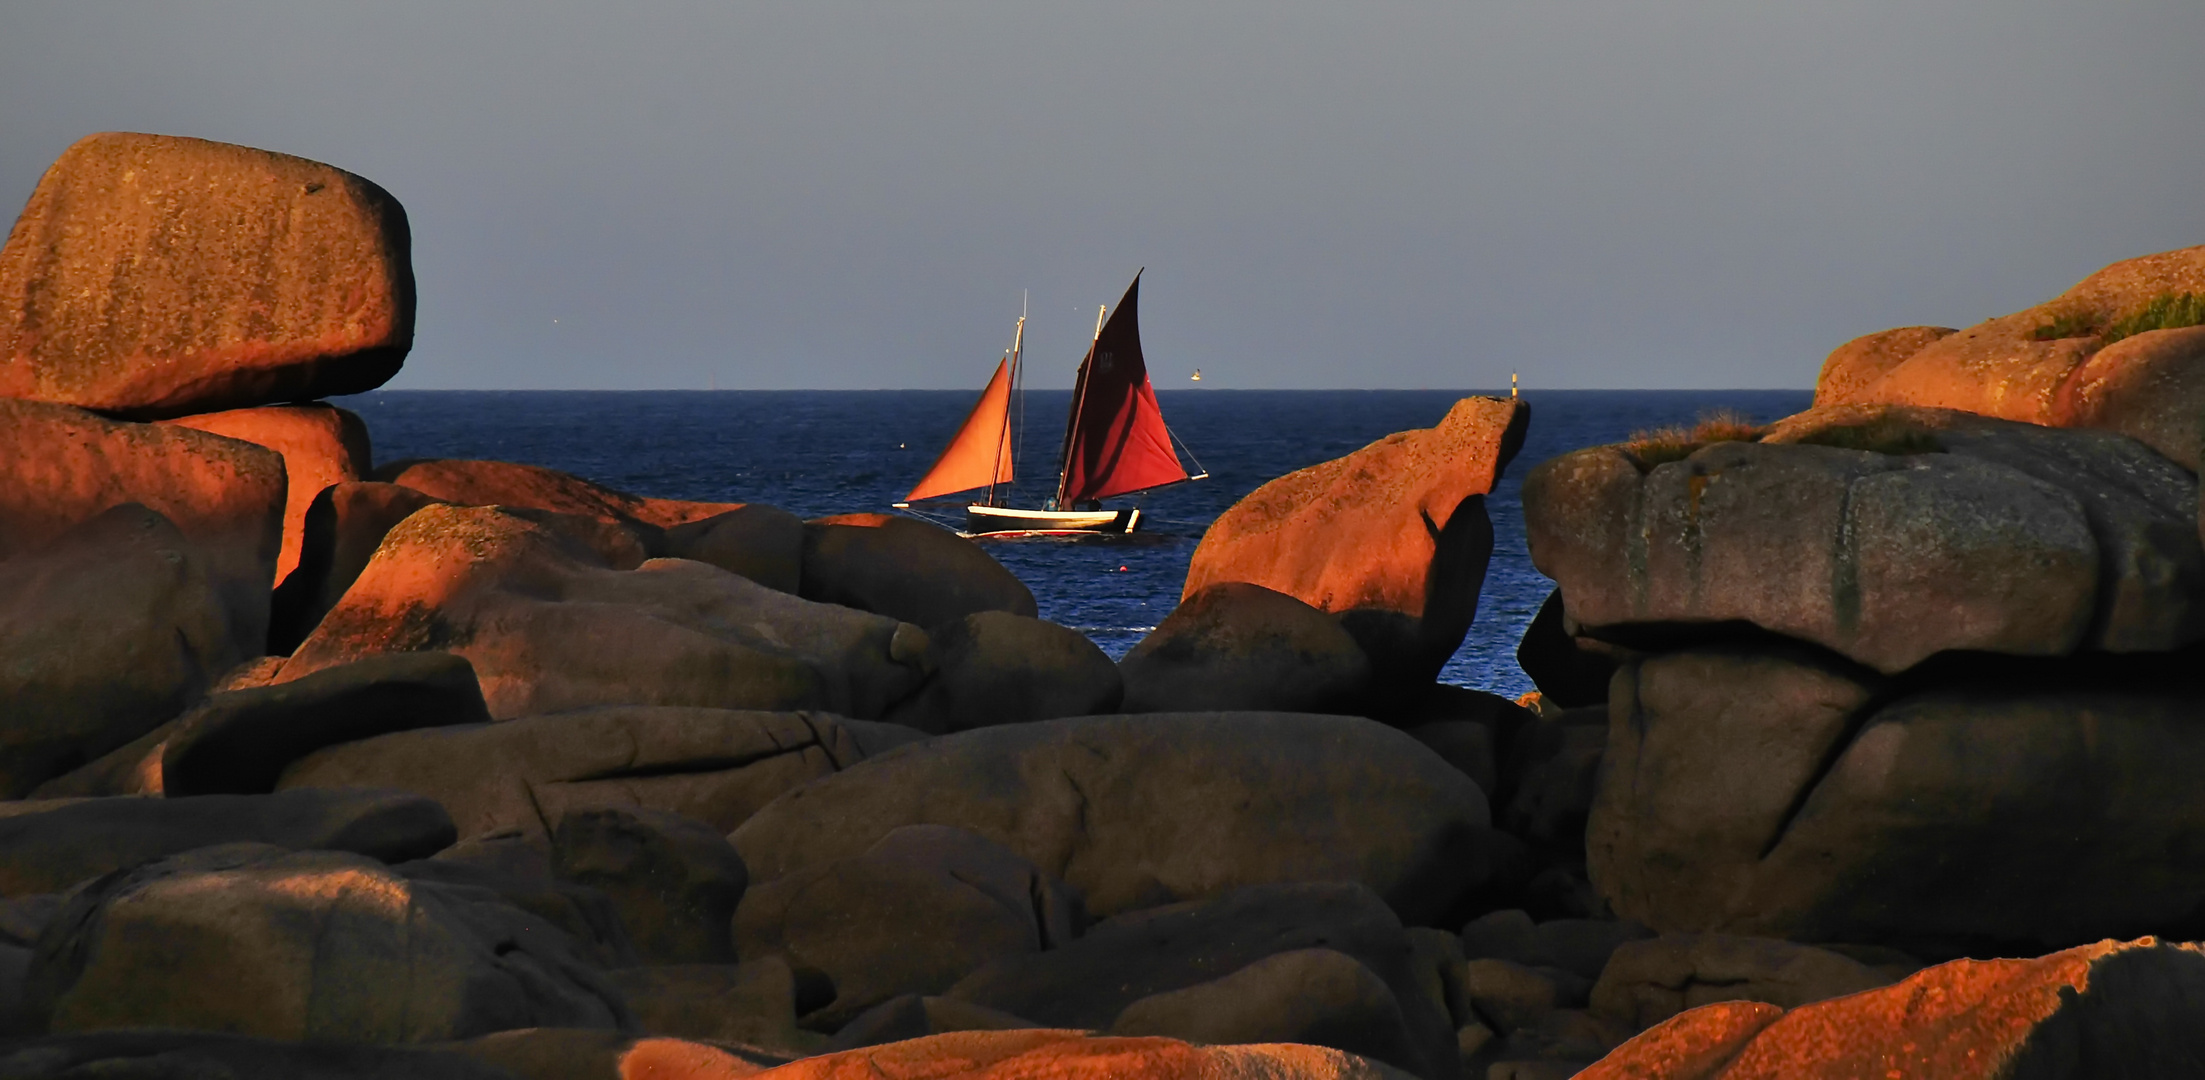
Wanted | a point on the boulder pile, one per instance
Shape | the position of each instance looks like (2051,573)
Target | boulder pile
(314,766)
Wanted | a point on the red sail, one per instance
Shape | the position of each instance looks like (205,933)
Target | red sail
(980,455)
(1117,441)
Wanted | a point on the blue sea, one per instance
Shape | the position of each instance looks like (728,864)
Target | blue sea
(829,452)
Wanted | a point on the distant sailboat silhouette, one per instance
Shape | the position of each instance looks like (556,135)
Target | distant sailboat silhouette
(1115,441)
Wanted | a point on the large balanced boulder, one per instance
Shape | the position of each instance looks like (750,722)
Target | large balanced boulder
(993,667)
(1238,646)
(1073,1055)
(1176,969)
(1393,538)
(152,276)
(550,626)
(912,914)
(2077,360)
(239,741)
(1138,810)
(505,483)
(226,497)
(49,845)
(1844,526)
(2107,1009)
(321,445)
(905,569)
(108,632)
(1783,792)
(322,946)
(714,765)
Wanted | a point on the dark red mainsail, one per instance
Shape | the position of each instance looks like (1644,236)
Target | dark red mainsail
(1116,441)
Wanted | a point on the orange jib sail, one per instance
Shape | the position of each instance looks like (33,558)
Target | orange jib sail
(1117,441)
(980,455)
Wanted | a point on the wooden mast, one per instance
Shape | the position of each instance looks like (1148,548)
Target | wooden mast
(1079,399)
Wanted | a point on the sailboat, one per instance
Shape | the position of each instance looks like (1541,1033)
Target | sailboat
(1115,441)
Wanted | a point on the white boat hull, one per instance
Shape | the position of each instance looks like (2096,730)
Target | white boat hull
(1006,521)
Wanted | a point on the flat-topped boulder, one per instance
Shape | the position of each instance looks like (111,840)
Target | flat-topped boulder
(321,445)
(549,626)
(1780,791)
(152,276)
(225,496)
(1393,538)
(714,765)
(2111,353)
(1886,534)
(1135,811)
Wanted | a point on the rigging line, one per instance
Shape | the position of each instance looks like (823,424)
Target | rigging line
(1190,452)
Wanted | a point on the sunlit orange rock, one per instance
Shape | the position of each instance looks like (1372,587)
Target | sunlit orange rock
(503,483)
(321,445)
(64,466)
(1858,363)
(153,276)
(549,625)
(2110,1009)
(1044,1054)
(1393,538)
(2042,365)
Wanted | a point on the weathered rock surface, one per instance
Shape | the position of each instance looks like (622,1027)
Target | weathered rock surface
(993,667)
(153,276)
(49,845)
(321,445)
(751,1004)
(505,483)
(1857,364)
(2062,363)
(1392,538)
(110,630)
(1318,997)
(518,870)
(1648,982)
(714,765)
(66,466)
(1782,793)
(1139,810)
(314,945)
(914,913)
(1579,946)
(2108,1009)
(762,543)
(549,629)
(1236,646)
(2023,540)
(188,1055)
(340,531)
(238,741)
(674,880)
(1464,744)
(905,569)
(1072,1055)
(1120,963)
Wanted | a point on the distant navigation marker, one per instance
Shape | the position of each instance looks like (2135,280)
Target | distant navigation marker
(1512,385)
(1197,376)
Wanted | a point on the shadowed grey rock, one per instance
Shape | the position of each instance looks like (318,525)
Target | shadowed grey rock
(319,945)
(715,765)
(48,846)
(1317,997)
(1233,645)
(1138,810)
(1648,982)
(762,543)
(993,667)
(674,880)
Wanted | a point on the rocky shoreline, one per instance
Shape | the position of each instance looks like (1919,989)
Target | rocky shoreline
(1862,745)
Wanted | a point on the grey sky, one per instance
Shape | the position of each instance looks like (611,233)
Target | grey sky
(851,195)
